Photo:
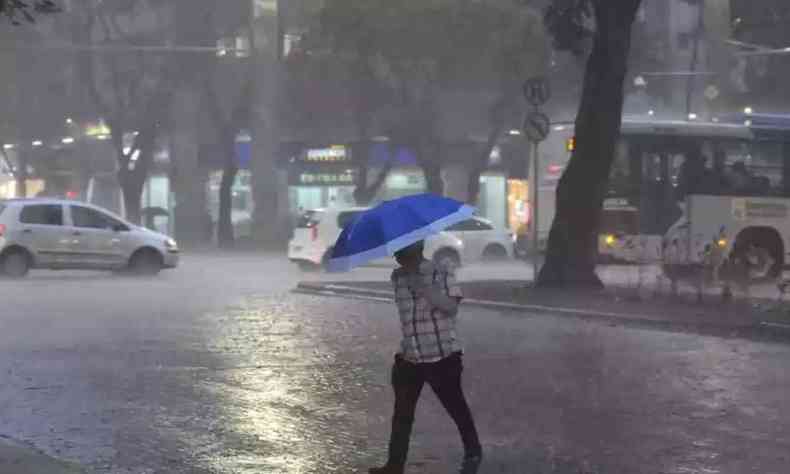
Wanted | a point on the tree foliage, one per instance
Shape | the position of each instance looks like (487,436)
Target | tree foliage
(131,90)
(14,10)
(409,56)
(570,24)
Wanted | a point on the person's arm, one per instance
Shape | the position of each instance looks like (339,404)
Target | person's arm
(438,298)
(445,293)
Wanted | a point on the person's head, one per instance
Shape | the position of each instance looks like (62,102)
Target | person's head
(410,256)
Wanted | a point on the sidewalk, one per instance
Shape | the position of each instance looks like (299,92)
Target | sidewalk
(15,459)
(755,318)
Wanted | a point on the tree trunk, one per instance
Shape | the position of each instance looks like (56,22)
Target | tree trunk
(225,233)
(132,173)
(573,239)
(429,159)
(132,183)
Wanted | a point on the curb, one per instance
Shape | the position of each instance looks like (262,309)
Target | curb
(19,459)
(764,331)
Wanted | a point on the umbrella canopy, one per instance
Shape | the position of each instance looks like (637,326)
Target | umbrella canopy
(393,225)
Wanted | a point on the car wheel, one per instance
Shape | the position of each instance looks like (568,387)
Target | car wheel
(447,258)
(16,264)
(494,253)
(145,263)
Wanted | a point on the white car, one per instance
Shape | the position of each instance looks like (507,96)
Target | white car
(63,234)
(482,241)
(318,229)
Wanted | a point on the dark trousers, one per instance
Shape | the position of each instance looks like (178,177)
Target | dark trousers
(444,377)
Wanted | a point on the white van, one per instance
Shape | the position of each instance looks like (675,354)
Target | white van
(318,229)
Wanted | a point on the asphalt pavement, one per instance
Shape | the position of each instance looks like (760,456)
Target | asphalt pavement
(217,367)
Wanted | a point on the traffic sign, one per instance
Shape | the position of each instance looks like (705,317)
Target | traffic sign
(712,92)
(536,127)
(537,91)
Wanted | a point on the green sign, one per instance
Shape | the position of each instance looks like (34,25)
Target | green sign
(324,179)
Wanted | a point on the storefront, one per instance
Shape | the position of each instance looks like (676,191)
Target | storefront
(517,205)
(503,195)
(321,177)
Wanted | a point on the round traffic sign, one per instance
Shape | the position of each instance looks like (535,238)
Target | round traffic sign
(712,92)
(536,126)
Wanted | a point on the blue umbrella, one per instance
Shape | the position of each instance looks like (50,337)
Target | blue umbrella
(392,225)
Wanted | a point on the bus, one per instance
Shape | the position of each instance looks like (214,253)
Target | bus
(677,189)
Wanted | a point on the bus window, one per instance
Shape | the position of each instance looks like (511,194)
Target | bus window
(749,169)
(620,173)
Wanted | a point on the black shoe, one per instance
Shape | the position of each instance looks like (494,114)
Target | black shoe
(387,469)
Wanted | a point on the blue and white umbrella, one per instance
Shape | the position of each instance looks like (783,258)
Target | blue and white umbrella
(392,225)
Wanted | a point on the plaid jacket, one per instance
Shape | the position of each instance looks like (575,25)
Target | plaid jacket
(429,334)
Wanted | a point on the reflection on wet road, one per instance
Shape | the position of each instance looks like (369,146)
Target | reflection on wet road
(218,368)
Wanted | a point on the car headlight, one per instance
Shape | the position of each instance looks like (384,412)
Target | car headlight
(171,244)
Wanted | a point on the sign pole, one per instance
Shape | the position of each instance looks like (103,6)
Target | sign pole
(536,128)
(534,211)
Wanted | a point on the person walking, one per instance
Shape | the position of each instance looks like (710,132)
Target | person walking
(427,297)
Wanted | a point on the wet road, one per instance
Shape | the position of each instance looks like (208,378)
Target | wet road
(216,367)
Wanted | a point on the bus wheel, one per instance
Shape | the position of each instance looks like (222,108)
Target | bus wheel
(759,253)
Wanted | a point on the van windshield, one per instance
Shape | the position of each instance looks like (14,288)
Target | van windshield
(308,219)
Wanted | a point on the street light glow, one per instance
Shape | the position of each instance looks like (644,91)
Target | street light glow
(38,143)
(515,132)
(692,116)
(651,112)
(102,137)
(748,110)
(68,140)
(9,146)
(69,120)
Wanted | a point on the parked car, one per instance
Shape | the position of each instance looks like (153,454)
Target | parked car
(318,229)
(482,241)
(65,234)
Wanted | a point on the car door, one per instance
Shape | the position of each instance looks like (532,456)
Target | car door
(98,239)
(488,235)
(463,231)
(42,231)
(475,237)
